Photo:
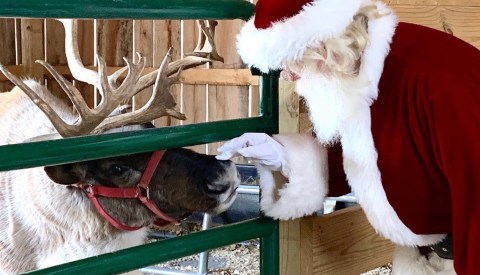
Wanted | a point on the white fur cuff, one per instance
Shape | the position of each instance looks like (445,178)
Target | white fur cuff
(307,185)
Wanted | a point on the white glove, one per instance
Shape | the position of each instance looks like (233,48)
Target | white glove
(259,148)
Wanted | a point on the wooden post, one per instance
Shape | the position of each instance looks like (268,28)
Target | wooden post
(194,97)
(167,33)
(32,47)
(227,102)
(459,18)
(86,47)
(114,42)
(55,54)
(290,245)
(342,242)
(143,43)
(7,44)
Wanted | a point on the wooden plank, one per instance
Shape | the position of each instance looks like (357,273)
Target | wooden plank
(115,40)
(167,34)
(462,22)
(254,97)
(18,40)
(461,3)
(306,126)
(55,42)
(254,91)
(55,54)
(222,77)
(290,233)
(194,97)
(176,43)
(143,43)
(306,247)
(344,242)
(290,247)
(86,47)
(32,47)
(241,101)
(7,43)
(226,77)
(289,108)
(227,102)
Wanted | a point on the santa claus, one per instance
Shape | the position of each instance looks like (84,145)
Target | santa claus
(395,110)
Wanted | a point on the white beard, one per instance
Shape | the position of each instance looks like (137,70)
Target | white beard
(330,101)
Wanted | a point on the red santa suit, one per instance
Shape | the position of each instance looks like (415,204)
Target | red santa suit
(408,125)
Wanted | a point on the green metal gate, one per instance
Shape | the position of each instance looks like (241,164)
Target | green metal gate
(27,155)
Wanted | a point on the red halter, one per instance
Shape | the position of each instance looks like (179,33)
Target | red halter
(140,191)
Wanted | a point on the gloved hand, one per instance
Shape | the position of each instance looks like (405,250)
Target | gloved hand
(259,148)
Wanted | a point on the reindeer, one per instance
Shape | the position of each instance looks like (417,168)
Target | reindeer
(56,214)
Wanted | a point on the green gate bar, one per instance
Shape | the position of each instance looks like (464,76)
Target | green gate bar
(128,9)
(161,251)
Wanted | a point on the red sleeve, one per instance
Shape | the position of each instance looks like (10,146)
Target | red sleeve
(337,180)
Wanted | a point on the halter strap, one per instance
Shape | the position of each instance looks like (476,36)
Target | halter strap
(141,191)
(145,181)
(93,197)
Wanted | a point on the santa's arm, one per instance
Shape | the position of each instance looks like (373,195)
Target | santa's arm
(305,189)
(292,170)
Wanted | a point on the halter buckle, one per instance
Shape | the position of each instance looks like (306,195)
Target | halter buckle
(144,191)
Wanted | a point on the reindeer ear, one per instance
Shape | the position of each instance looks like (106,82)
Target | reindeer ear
(66,173)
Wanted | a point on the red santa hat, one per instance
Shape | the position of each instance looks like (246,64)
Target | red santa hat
(281,30)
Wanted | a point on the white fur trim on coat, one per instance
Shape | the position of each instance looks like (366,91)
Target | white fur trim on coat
(286,40)
(307,186)
(409,261)
(359,152)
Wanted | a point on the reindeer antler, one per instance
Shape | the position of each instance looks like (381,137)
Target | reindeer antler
(112,97)
(206,41)
(161,103)
(81,73)
(98,119)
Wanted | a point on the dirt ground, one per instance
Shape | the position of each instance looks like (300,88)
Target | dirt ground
(241,259)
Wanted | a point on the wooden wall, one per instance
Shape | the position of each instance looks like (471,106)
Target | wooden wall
(460,18)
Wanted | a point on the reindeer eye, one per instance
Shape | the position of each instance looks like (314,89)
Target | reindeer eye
(116,169)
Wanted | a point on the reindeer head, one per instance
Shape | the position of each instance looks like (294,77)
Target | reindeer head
(183,182)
